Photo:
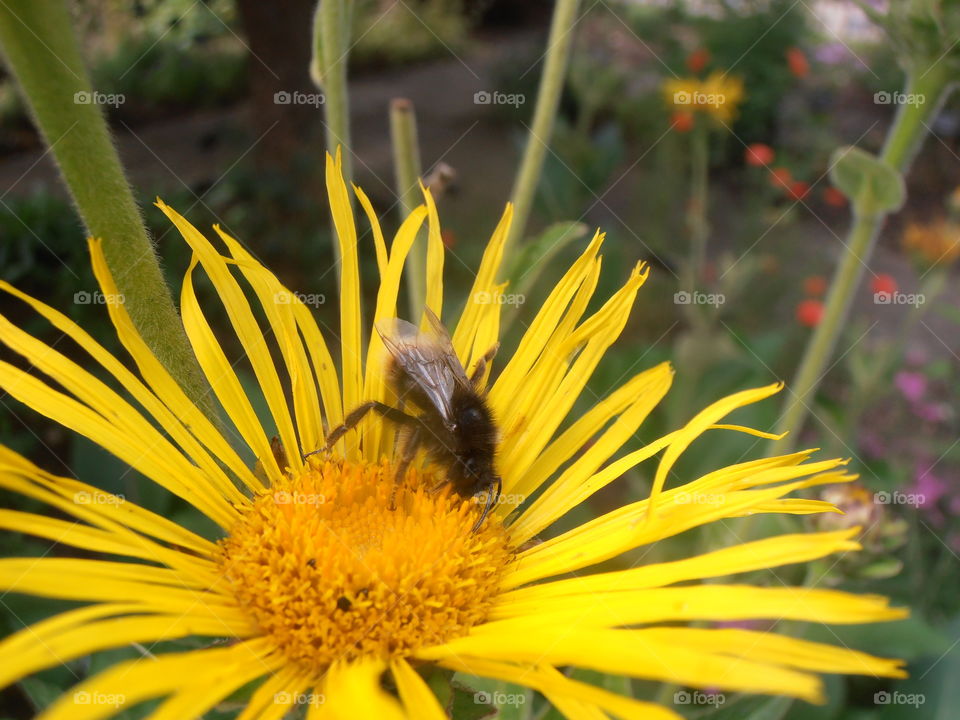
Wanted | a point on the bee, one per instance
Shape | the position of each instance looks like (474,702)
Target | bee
(453,423)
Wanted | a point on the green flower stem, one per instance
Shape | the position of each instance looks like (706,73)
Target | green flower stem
(544,114)
(904,139)
(43,54)
(406,163)
(331,48)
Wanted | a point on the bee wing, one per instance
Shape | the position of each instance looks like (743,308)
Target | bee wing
(427,357)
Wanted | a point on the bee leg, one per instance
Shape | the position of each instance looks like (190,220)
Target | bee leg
(490,499)
(408,449)
(476,375)
(356,415)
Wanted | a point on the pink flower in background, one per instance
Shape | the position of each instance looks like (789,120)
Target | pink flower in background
(872,444)
(931,411)
(917,357)
(911,384)
(928,487)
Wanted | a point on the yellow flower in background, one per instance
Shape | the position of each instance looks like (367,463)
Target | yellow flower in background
(934,243)
(717,95)
(322,584)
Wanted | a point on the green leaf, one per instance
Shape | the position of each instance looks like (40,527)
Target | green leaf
(874,186)
(478,697)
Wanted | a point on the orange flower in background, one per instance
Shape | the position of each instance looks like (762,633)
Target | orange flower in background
(682,121)
(797,62)
(834,197)
(883,284)
(815,285)
(798,189)
(698,59)
(809,313)
(758,155)
(780,178)
(932,243)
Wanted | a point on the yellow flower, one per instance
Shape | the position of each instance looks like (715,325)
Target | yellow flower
(322,585)
(717,95)
(933,243)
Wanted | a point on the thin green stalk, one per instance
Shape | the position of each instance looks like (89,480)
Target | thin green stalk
(42,53)
(406,164)
(544,114)
(331,48)
(904,139)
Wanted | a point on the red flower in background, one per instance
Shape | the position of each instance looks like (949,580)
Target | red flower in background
(682,121)
(815,285)
(698,59)
(834,197)
(780,178)
(798,189)
(809,313)
(797,62)
(448,238)
(758,155)
(883,284)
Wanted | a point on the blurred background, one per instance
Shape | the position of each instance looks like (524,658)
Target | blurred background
(213,109)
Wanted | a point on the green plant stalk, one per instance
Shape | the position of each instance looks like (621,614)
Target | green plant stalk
(406,164)
(904,139)
(331,37)
(42,53)
(544,116)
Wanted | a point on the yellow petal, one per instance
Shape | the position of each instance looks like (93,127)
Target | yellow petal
(275,696)
(746,557)
(636,653)
(248,332)
(168,469)
(483,286)
(110,512)
(134,681)
(692,430)
(434,299)
(415,694)
(580,480)
(167,418)
(38,651)
(380,247)
(696,602)
(275,300)
(377,439)
(547,680)
(350,322)
(160,380)
(353,690)
(223,380)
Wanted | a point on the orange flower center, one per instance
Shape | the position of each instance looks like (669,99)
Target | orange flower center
(342,562)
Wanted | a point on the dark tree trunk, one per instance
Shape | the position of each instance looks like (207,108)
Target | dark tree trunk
(279,38)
